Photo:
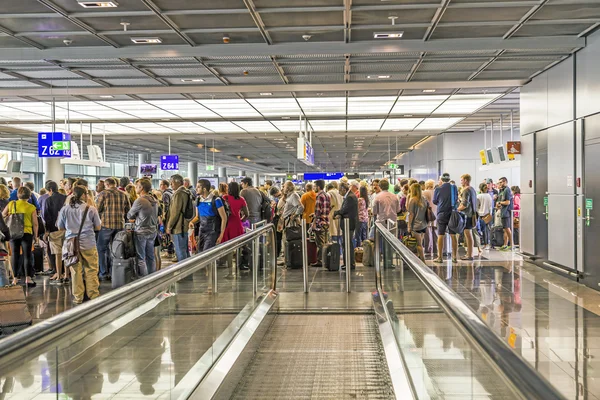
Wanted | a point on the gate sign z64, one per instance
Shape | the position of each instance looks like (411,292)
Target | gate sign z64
(54,144)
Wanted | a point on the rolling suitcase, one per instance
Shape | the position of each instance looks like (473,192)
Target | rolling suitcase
(124,271)
(311,249)
(331,256)
(14,314)
(38,259)
(368,253)
(358,254)
(497,238)
(293,254)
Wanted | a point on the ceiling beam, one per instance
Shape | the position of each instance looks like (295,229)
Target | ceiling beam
(297,49)
(27,41)
(356,86)
(436,19)
(258,21)
(145,72)
(159,13)
(79,73)
(24,78)
(525,18)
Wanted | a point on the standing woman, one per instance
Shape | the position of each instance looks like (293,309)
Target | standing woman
(239,212)
(71,219)
(292,208)
(484,209)
(417,220)
(363,217)
(24,270)
(130,191)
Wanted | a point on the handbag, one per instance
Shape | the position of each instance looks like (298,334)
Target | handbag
(429,214)
(458,219)
(16,223)
(487,218)
(71,249)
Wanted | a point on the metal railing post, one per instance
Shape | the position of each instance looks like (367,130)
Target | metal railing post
(214,277)
(376,256)
(255,262)
(304,257)
(348,256)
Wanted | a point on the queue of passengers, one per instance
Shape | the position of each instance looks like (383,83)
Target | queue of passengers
(164,218)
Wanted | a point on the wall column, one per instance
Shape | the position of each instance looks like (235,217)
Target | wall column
(53,169)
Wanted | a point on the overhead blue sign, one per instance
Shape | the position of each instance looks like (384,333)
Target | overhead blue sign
(54,144)
(169,162)
(328,176)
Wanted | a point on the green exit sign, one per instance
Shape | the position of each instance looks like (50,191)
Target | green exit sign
(392,166)
(589,204)
(210,167)
(65,145)
(545,202)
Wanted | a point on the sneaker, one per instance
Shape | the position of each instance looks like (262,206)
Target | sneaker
(57,282)
(505,248)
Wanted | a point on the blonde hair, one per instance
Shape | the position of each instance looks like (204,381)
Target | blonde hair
(467,178)
(416,193)
(4,192)
(429,184)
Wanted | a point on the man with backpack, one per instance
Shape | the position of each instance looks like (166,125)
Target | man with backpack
(259,205)
(212,215)
(181,213)
(468,205)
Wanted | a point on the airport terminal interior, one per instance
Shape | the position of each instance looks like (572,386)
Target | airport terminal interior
(299,199)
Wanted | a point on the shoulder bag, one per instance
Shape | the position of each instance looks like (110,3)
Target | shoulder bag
(16,223)
(71,249)
(457,221)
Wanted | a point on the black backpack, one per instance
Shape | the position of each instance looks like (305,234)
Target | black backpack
(266,213)
(188,210)
(123,246)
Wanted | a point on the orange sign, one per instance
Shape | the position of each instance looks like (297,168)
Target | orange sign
(513,148)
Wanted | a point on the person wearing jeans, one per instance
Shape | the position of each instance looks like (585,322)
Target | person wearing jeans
(145,213)
(321,220)
(177,224)
(113,206)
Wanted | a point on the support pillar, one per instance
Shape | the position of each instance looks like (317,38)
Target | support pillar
(193,172)
(144,158)
(255,181)
(53,169)
(222,174)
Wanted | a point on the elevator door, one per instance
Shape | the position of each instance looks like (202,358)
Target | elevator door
(541,196)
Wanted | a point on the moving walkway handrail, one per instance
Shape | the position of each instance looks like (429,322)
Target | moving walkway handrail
(527,380)
(50,331)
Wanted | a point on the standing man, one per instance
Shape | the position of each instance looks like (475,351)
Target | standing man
(308,201)
(505,204)
(336,201)
(14,197)
(254,199)
(167,199)
(113,206)
(178,221)
(187,183)
(445,197)
(468,205)
(321,220)
(212,217)
(123,182)
(145,212)
(55,236)
(386,205)
(349,210)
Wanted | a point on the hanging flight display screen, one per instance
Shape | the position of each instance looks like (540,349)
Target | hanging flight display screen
(327,176)
(54,144)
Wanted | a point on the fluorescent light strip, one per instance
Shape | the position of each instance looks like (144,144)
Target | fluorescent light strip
(97,4)
(146,40)
(388,35)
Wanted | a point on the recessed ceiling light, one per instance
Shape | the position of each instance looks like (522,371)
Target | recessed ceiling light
(200,146)
(378,77)
(429,91)
(108,96)
(246,159)
(146,40)
(388,35)
(266,94)
(192,80)
(285,117)
(408,115)
(97,4)
(214,150)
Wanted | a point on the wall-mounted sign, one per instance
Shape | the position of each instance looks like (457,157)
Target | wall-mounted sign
(513,147)
(169,162)
(305,152)
(54,144)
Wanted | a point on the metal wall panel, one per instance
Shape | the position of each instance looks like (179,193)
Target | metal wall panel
(588,77)
(527,223)
(579,194)
(534,105)
(561,230)
(527,163)
(561,157)
(561,92)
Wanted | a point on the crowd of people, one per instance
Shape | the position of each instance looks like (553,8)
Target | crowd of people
(177,219)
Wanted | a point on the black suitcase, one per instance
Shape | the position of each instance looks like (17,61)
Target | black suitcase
(124,271)
(497,236)
(293,254)
(38,259)
(331,256)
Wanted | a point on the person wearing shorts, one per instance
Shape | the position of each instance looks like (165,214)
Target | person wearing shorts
(445,198)
(55,237)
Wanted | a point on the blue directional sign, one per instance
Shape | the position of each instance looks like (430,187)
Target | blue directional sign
(54,144)
(328,176)
(169,162)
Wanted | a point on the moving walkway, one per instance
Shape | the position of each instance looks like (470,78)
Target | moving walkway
(202,329)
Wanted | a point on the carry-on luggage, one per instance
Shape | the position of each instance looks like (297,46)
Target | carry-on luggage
(293,254)
(123,272)
(497,236)
(411,242)
(311,249)
(331,256)
(123,245)
(14,314)
(38,259)
(368,253)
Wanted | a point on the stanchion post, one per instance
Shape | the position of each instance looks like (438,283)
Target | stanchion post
(377,255)
(348,256)
(214,278)
(255,262)
(304,257)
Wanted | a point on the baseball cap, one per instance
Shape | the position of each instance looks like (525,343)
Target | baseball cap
(445,177)
(489,180)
